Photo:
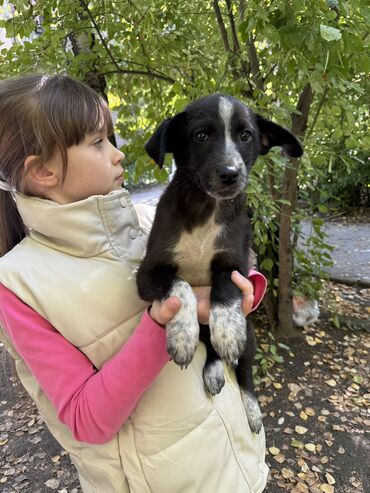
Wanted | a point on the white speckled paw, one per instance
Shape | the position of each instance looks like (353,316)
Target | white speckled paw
(252,410)
(183,330)
(228,329)
(213,377)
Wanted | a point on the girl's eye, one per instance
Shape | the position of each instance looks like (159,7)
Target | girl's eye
(200,136)
(245,135)
(98,143)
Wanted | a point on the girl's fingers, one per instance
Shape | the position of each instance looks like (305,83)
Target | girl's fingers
(169,308)
(163,312)
(246,287)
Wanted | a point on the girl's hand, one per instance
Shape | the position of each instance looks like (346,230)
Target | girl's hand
(202,294)
(247,288)
(163,312)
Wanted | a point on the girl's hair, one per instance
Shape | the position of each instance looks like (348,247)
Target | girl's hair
(40,115)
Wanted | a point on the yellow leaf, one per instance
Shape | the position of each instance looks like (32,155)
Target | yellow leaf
(301,430)
(327,488)
(311,341)
(303,415)
(296,443)
(331,383)
(287,473)
(277,385)
(329,478)
(305,467)
(310,446)
(3,441)
(301,487)
(274,450)
(309,411)
(280,458)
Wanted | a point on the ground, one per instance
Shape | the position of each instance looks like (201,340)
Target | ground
(315,406)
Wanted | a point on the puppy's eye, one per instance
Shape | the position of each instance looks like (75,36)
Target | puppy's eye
(200,136)
(245,135)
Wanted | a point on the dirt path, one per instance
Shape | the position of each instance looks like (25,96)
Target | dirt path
(315,404)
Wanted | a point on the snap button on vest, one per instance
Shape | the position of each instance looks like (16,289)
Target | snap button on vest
(133,234)
(123,202)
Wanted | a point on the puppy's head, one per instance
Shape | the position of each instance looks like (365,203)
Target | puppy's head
(216,139)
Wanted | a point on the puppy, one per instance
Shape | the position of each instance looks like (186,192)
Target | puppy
(201,233)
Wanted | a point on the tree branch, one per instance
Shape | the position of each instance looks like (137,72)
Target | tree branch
(254,64)
(299,119)
(232,26)
(147,73)
(151,75)
(221,25)
(321,103)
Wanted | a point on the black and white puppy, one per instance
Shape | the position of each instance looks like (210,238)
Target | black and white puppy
(201,232)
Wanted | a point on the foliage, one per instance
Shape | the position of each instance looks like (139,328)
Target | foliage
(268,354)
(153,57)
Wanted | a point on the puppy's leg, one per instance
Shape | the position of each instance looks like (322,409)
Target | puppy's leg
(244,376)
(183,330)
(227,321)
(213,371)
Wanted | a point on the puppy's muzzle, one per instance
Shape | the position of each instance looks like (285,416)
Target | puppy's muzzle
(229,176)
(227,182)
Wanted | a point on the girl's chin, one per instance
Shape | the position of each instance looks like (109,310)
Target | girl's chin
(118,183)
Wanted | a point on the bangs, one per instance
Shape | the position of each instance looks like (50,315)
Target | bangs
(69,110)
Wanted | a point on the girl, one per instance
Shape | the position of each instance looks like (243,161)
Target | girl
(87,349)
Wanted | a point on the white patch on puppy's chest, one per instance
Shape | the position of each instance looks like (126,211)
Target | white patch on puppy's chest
(194,252)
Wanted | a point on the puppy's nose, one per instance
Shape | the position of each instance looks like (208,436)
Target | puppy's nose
(229,176)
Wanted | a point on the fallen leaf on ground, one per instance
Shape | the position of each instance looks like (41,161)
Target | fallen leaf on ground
(329,478)
(301,430)
(280,458)
(310,446)
(296,443)
(327,488)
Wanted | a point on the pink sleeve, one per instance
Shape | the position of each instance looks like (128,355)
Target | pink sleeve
(260,285)
(93,404)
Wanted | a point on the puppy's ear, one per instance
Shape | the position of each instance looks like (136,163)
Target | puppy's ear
(272,135)
(157,146)
(165,138)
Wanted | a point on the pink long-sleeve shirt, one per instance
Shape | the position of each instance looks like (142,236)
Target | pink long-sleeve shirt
(93,403)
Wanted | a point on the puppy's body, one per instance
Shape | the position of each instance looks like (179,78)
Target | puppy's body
(201,232)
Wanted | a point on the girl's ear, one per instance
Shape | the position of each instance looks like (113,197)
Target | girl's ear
(165,138)
(39,174)
(272,135)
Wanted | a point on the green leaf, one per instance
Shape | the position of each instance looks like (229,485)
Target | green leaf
(267,264)
(330,33)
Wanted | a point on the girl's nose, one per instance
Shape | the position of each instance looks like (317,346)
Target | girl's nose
(118,156)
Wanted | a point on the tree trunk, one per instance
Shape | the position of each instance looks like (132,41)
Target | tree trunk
(285,306)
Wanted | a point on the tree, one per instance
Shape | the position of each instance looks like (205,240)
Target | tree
(299,62)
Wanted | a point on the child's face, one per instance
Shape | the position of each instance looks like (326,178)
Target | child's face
(94,168)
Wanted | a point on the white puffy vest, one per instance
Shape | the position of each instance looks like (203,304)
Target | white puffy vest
(77,269)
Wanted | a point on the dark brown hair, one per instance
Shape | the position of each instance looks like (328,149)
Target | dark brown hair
(39,115)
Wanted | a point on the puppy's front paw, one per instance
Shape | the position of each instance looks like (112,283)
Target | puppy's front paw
(252,410)
(228,329)
(213,377)
(182,340)
(183,330)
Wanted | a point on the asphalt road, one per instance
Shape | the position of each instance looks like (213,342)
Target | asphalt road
(351,242)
